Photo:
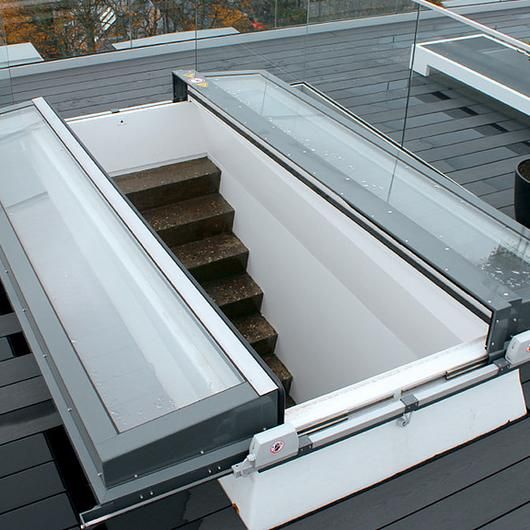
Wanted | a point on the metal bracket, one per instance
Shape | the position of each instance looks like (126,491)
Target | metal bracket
(268,448)
(411,404)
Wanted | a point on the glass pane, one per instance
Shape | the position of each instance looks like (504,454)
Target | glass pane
(330,10)
(512,21)
(467,111)
(143,350)
(344,160)
(243,52)
(56,30)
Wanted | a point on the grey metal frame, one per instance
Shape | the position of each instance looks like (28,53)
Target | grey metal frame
(508,312)
(125,468)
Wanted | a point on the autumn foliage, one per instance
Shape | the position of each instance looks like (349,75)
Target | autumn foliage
(66,28)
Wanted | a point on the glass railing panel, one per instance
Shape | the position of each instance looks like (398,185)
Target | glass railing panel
(332,10)
(472,123)
(67,29)
(508,17)
(257,44)
(360,60)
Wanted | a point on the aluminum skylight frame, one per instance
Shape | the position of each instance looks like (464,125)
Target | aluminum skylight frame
(174,450)
(507,311)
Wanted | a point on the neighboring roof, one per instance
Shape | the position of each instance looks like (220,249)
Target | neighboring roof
(466,135)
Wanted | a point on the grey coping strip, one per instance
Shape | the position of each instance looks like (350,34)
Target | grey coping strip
(53,513)
(18,369)
(23,454)
(29,486)
(27,421)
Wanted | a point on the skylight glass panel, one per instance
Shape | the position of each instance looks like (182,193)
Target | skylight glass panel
(144,351)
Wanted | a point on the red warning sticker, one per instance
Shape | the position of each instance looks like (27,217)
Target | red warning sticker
(277,446)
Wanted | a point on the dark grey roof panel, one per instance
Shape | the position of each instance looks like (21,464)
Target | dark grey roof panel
(52,513)
(515,520)
(23,454)
(28,420)
(476,505)
(29,486)
(23,394)
(18,369)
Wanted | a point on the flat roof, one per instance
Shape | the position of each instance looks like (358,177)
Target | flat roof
(467,136)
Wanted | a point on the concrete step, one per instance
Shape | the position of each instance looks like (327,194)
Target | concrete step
(213,257)
(281,371)
(237,295)
(190,220)
(258,332)
(160,186)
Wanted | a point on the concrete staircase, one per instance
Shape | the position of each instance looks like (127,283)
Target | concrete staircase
(183,204)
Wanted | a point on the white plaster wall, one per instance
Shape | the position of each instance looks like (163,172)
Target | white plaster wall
(146,137)
(345,307)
